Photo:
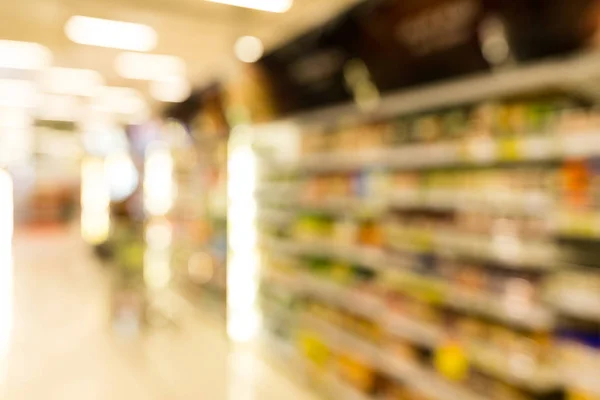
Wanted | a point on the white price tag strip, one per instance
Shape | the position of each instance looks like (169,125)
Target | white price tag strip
(482,149)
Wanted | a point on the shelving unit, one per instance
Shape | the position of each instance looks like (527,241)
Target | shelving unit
(437,264)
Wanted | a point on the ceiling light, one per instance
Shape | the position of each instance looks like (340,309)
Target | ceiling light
(120,100)
(71,81)
(53,107)
(23,55)
(249,49)
(122,175)
(109,33)
(276,6)
(16,118)
(173,90)
(158,180)
(149,66)
(17,93)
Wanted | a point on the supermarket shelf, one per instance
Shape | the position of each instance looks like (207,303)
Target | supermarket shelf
(283,352)
(532,204)
(513,370)
(287,358)
(513,313)
(360,255)
(274,311)
(345,297)
(276,191)
(339,390)
(581,378)
(503,250)
(577,304)
(506,251)
(528,204)
(559,72)
(542,254)
(354,301)
(578,224)
(277,217)
(530,317)
(343,341)
(480,151)
(412,330)
(341,206)
(523,374)
(424,381)
(516,314)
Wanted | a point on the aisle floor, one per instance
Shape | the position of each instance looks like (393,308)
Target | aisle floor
(62,346)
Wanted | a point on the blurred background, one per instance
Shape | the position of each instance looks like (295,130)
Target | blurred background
(300,199)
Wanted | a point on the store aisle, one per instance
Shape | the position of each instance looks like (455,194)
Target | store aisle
(62,347)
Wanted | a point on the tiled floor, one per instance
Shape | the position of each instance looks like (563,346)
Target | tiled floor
(62,347)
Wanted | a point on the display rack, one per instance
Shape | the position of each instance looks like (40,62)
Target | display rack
(441,265)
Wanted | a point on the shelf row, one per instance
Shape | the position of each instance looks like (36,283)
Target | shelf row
(289,196)
(535,379)
(577,303)
(507,251)
(528,316)
(566,299)
(470,151)
(513,369)
(416,377)
(561,222)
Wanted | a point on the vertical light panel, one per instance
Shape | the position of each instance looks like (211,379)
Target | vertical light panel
(95,202)
(157,256)
(159,189)
(6,262)
(158,180)
(243,320)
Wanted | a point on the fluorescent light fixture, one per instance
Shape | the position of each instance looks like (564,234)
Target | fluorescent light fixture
(174,90)
(95,202)
(17,93)
(249,49)
(243,318)
(16,141)
(108,33)
(23,55)
(64,147)
(276,6)
(71,81)
(102,140)
(150,67)
(15,118)
(158,180)
(56,107)
(121,174)
(120,100)
(157,268)
(6,263)
(157,257)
